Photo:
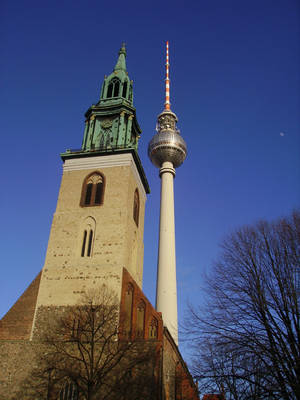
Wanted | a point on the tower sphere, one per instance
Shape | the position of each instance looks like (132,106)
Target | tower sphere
(167,144)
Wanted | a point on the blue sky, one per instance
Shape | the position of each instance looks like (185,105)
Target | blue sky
(234,87)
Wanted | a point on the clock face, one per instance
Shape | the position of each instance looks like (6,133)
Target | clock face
(106,123)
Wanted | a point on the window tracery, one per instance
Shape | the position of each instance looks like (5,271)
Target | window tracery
(113,88)
(92,190)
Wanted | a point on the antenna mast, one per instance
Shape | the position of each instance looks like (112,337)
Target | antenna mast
(167,102)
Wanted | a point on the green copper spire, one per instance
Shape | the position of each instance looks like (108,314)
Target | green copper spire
(111,124)
(121,63)
(117,86)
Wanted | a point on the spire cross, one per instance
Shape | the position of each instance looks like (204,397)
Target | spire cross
(167,103)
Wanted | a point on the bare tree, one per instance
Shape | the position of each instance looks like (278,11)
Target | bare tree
(82,356)
(248,335)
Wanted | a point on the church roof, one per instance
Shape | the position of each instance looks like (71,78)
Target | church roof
(17,322)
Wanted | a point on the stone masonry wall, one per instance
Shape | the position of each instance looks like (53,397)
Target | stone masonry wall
(16,360)
(118,241)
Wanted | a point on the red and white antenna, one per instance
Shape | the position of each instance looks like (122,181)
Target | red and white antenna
(167,103)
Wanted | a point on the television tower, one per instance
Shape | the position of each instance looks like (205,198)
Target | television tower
(167,151)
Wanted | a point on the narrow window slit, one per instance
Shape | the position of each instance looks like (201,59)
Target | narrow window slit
(90,243)
(83,243)
(136,207)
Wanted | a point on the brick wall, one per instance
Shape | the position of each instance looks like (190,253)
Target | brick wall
(150,311)
(17,361)
(17,322)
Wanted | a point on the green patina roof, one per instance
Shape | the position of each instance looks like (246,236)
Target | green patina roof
(121,63)
(111,124)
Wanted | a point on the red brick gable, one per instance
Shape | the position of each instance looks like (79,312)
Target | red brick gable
(138,297)
(183,385)
(17,322)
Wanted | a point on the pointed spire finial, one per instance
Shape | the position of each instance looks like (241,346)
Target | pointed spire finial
(167,102)
(121,63)
(123,49)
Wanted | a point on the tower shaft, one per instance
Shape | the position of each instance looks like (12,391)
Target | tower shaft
(167,151)
(166,290)
(97,228)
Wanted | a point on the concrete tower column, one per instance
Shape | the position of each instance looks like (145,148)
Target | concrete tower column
(167,151)
(166,289)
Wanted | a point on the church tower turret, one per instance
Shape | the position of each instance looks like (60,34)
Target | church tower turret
(111,124)
(167,151)
(98,225)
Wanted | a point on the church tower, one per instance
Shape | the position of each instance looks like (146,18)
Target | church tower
(96,238)
(98,224)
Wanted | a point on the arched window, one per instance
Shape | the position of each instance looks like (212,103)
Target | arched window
(87,238)
(110,90)
(130,93)
(116,88)
(128,310)
(124,93)
(86,250)
(92,190)
(153,329)
(136,207)
(69,391)
(113,89)
(140,320)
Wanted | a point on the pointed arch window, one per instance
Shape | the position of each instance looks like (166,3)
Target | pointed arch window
(110,90)
(116,88)
(128,310)
(124,93)
(69,391)
(140,320)
(88,234)
(153,329)
(87,243)
(113,89)
(130,93)
(136,207)
(92,190)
